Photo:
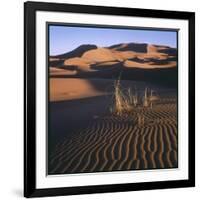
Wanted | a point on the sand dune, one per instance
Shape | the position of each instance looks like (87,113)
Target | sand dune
(107,63)
(60,71)
(66,89)
(118,143)
(79,51)
(132,55)
(77,88)
(81,64)
(99,55)
(136,47)
(124,55)
(150,65)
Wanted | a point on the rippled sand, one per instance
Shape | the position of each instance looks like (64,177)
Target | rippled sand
(110,143)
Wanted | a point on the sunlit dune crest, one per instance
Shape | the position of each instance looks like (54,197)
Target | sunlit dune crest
(82,64)
(99,55)
(154,48)
(151,48)
(124,55)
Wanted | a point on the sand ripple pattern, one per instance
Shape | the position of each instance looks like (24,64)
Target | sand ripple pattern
(114,143)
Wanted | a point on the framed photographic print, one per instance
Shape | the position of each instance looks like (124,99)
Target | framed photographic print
(109,99)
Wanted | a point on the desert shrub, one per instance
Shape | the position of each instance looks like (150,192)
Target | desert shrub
(126,101)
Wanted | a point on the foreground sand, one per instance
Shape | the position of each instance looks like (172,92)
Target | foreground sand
(108,142)
(71,88)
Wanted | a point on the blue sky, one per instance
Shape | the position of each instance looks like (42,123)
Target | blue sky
(63,39)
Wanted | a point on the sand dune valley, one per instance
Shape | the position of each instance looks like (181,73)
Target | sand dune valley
(113,109)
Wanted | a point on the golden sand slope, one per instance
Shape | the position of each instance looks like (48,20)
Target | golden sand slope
(99,55)
(59,71)
(119,143)
(82,64)
(77,88)
(73,88)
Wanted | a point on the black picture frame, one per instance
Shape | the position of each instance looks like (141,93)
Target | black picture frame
(30,9)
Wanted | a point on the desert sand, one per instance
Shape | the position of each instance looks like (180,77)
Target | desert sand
(73,88)
(106,142)
(62,89)
(58,71)
(86,134)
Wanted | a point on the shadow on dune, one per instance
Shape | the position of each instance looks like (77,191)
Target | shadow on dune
(138,47)
(155,61)
(166,77)
(67,117)
(169,51)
